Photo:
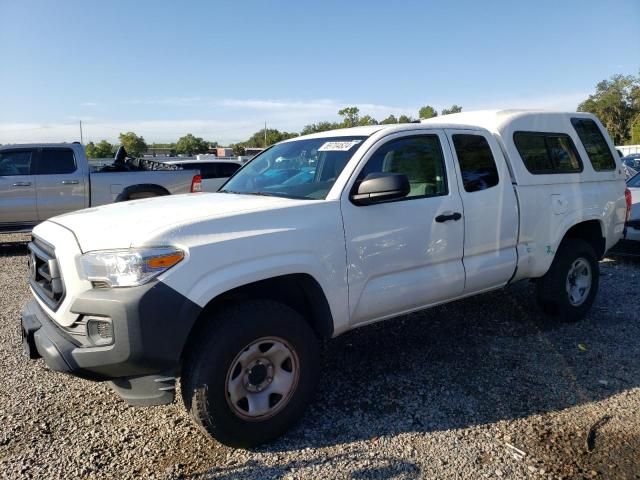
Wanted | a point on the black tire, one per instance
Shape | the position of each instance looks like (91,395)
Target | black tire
(217,347)
(551,289)
(141,195)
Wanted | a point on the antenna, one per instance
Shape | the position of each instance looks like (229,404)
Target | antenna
(265,134)
(81,133)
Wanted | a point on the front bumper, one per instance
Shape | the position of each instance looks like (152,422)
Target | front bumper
(151,324)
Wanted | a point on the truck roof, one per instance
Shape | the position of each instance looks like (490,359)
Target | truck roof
(495,120)
(39,145)
(371,129)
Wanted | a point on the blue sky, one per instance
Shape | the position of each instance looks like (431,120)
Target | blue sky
(220,69)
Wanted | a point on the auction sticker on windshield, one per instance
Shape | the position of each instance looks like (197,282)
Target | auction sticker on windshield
(338,146)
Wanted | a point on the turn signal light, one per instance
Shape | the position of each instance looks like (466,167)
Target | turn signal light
(165,261)
(627,197)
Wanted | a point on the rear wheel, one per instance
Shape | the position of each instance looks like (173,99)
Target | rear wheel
(569,287)
(140,195)
(251,373)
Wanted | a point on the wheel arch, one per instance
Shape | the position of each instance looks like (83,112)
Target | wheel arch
(592,232)
(157,190)
(299,291)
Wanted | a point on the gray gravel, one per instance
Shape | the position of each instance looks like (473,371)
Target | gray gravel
(483,388)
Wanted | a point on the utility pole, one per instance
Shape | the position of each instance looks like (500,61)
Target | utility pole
(265,134)
(81,140)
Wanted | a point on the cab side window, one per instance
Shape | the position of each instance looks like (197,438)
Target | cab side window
(420,158)
(477,165)
(16,162)
(56,161)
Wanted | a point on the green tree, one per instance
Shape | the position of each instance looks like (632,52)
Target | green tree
(90,150)
(135,145)
(635,131)
(427,112)
(238,148)
(391,119)
(367,120)
(319,127)
(616,102)
(190,145)
(102,150)
(273,136)
(453,109)
(404,119)
(350,115)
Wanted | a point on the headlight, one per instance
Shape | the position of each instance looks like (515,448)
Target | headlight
(128,268)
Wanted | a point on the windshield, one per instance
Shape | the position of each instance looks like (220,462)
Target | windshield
(297,169)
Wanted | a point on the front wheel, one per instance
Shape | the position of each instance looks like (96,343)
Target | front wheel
(569,288)
(251,373)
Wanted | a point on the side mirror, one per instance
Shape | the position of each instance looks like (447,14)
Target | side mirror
(381,187)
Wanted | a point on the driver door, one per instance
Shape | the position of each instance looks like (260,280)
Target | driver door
(405,254)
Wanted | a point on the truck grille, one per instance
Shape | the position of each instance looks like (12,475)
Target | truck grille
(44,274)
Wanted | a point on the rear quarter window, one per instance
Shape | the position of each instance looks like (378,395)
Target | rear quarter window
(227,169)
(547,153)
(594,143)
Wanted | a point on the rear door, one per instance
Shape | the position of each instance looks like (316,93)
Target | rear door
(60,186)
(17,190)
(405,254)
(490,209)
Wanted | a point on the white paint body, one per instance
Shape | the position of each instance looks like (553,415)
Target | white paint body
(372,262)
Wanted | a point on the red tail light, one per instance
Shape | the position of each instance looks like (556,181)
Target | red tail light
(196,184)
(627,197)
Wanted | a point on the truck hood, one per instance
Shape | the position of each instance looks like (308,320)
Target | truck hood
(132,223)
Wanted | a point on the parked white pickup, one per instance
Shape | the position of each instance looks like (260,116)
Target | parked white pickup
(233,291)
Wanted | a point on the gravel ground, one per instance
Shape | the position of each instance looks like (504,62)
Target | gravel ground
(483,388)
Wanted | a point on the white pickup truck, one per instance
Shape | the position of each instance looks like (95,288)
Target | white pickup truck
(39,181)
(233,292)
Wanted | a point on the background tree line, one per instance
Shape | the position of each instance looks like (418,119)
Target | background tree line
(616,102)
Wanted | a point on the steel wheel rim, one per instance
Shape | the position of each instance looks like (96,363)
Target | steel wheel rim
(579,279)
(262,378)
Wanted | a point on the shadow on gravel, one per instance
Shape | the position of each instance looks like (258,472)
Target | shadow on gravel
(360,468)
(13,248)
(477,361)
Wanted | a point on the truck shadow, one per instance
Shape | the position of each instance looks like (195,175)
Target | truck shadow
(382,468)
(481,360)
(13,248)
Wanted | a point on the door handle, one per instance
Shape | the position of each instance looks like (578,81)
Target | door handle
(70,182)
(21,184)
(445,218)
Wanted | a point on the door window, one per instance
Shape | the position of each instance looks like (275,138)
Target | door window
(477,165)
(16,162)
(55,161)
(420,158)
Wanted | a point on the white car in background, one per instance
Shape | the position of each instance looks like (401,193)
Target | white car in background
(214,173)
(632,227)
